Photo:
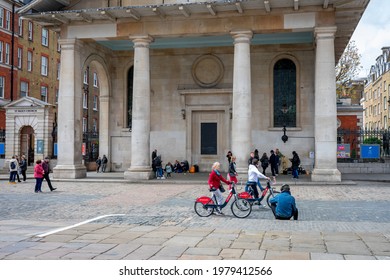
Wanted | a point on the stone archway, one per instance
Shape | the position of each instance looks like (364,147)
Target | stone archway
(97,62)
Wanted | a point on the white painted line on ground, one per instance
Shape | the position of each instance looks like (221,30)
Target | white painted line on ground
(78,224)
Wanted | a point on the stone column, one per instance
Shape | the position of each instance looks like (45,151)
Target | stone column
(242,99)
(140,167)
(325,119)
(69,164)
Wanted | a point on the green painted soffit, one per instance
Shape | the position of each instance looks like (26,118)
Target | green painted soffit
(213,41)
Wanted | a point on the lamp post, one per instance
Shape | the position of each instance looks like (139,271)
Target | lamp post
(284,111)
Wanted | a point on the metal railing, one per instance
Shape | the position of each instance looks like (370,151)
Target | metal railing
(355,138)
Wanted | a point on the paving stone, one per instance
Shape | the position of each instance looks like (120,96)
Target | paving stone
(190,241)
(359,257)
(253,254)
(231,254)
(170,252)
(149,241)
(214,242)
(144,252)
(245,245)
(347,248)
(286,255)
(212,251)
(325,256)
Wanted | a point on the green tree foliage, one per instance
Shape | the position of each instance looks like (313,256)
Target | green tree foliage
(347,69)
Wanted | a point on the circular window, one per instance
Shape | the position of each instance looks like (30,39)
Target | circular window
(207,71)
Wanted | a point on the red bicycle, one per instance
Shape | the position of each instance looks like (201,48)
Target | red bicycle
(248,195)
(205,205)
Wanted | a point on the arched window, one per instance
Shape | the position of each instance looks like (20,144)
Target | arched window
(285,95)
(130,76)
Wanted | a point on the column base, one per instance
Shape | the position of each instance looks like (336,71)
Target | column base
(326,175)
(69,171)
(138,173)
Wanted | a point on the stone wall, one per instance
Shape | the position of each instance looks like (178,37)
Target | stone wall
(364,168)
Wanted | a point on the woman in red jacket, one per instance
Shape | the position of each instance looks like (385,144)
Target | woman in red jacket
(38,175)
(215,179)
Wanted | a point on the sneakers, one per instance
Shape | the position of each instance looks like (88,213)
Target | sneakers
(218,212)
(261,206)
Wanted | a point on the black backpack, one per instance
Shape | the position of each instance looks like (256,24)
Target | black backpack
(13,165)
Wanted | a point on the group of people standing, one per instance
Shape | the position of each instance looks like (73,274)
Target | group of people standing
(101,164)
(283,205)
(17,167)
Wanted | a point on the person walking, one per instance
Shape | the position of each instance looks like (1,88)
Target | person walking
(13,170)
(283,205)
(264,162)
(17,173)
(273,161)
(295,162)
(46,168)
(23,167)
(38,175)
(98,164)
(232,174)
(104,163)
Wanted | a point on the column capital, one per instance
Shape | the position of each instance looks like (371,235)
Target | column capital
(242,36)
(141,40)
(69,44)
(326,32)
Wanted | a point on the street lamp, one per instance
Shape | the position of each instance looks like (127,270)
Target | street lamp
(284,111)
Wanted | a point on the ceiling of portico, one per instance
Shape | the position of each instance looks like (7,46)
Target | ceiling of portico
(59,12)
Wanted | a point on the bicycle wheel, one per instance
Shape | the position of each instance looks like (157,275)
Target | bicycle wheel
(271,194)
(202,210)
(241,208)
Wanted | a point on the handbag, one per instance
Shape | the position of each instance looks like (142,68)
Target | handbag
(221,188)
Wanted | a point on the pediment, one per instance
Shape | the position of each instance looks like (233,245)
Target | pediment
(27,102)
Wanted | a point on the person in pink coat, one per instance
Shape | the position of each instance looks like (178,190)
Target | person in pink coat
(38,175)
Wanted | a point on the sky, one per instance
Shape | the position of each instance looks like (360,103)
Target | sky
(372,33)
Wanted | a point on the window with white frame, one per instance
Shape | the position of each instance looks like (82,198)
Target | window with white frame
(8,20)
(86,77)
(95,79)
(45,37)
(29,61)
(20,57)
(85,100)
(44,65)
(385,103)
(20,22)
(44,93)
(7,53)
(23,89)
(2,83)
(30,30)
(1,51)
(95,103)
(85,124)
(1,17)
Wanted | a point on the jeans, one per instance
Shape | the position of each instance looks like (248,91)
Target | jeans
(12,176)
(38,184)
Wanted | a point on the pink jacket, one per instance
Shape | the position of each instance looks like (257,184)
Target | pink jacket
(38,171)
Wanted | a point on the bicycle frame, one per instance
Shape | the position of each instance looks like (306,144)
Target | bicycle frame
(210,202)
(249,197)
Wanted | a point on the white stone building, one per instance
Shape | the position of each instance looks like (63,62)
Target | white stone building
(195,79)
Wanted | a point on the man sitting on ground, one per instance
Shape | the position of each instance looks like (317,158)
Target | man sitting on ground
(283,205)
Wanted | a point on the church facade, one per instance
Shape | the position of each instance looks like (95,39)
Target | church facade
(195,79)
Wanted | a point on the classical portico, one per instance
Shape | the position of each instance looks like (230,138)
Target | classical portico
(203,78)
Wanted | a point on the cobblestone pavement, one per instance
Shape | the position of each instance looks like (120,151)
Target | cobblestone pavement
(157,221)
